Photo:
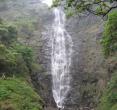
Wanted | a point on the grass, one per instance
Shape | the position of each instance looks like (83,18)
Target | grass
(16,94)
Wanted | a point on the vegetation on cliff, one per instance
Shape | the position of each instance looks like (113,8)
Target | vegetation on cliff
(15,58)
(109,40)
(16,65)
(108,99)
(16,94)
(97,7)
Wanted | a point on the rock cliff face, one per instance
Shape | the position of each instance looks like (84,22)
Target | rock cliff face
(88,66)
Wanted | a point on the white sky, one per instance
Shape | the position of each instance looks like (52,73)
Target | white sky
(48,2)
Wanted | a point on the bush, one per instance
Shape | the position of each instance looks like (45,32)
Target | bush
(26,53)
(7,59)
(109,40)
(8,34)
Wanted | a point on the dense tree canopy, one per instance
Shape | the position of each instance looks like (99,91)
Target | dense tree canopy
(97,7)
(15,58)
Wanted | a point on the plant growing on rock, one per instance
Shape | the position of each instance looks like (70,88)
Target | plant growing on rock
(109,40)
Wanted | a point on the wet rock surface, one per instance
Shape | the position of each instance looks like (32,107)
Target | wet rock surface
(88,65)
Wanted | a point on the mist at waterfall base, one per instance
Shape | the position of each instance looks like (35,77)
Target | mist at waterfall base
(60,56)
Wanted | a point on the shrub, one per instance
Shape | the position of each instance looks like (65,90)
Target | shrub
(109,40)
(109,98)
(7,59)
(8,34)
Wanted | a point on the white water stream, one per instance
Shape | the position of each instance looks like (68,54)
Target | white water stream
(60,56)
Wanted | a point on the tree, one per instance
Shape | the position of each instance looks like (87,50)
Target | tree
(97,7)
(8,34)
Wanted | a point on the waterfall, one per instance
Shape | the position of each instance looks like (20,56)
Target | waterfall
(60,56)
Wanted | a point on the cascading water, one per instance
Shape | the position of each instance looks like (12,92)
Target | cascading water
(60,56)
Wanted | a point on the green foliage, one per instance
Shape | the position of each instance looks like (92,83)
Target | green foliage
(25,26)
(26,53)
(69,12)
(14,56)
(8,34)
(109,40)
(56,3)
(7,59)
(16,60)
(109,98)
(97,7)
(16,94)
